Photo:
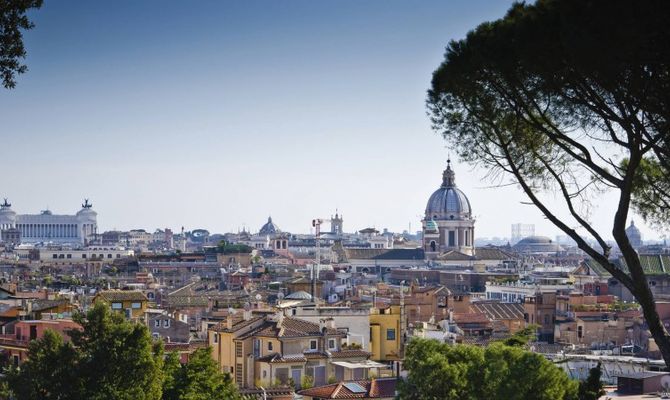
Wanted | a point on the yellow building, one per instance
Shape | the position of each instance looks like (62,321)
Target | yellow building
(385,334)
(132,303)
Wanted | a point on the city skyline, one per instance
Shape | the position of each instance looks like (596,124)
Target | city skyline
(217,117)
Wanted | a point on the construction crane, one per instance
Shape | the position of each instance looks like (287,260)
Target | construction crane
(316,223)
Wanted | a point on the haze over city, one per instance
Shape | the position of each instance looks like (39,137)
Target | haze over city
(218,116)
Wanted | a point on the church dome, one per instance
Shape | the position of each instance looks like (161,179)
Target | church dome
(269,228)
(634,235)
(299,295)
(448,202)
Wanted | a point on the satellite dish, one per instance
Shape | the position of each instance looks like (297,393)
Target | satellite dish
(258,297)
(280,295)
(231,311)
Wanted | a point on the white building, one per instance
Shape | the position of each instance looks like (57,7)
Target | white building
(49,227)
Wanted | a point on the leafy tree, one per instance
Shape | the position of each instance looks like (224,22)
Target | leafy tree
(112,358)
(119,359)
(199,379)
(569,97)
(522,337)
(592,387)
(228,248)
(49,373)
(13,20)
(441,371)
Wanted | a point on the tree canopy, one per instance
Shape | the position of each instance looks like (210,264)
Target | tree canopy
(13,20)
(112,358)
(569,98)
(462,372)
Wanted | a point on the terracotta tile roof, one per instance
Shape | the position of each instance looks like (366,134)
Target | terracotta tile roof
(373,389)
(350,353)
(122,295)
(295,327)
(471,318)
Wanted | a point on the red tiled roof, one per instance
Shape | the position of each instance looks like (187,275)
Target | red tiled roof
(350,353)
(374,389)
(471,318)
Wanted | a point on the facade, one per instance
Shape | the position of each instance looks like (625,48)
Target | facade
(85,256)
(261,351)
(385,334)
(448,223)
(132,303)
(49,227)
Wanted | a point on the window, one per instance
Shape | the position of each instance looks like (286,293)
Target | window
(238,349)
(109,256)
(331,344)
(55,256)
(156,335)
(269,346)
(117,306)
(118,256)
(166,323)
(216,338)
(157,323)
(136,306)
(390,334)
(69,256)
(546,318)
(83,256)
(452,238)
(312,345)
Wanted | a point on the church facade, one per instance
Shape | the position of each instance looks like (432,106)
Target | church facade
(448,224)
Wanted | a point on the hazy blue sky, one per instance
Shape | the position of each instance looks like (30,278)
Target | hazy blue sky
(217,114)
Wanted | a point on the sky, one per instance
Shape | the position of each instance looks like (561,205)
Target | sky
(217,114)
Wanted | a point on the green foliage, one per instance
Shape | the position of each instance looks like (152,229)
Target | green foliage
(227,248)
(462,372)
(652,191)
(307,382)
(522,337)
(199,379)
(569,98)
(112,358)
(13,20)
(592,387)
(49,373)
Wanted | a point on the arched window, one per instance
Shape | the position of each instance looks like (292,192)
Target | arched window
(432,245)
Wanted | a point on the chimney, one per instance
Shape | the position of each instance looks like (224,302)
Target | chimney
(247,314)
(229,322)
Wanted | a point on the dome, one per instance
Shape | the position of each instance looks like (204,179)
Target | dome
(299,295)
(634,235)
(269,228)
(536,244)
(448,202)
(431,225)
